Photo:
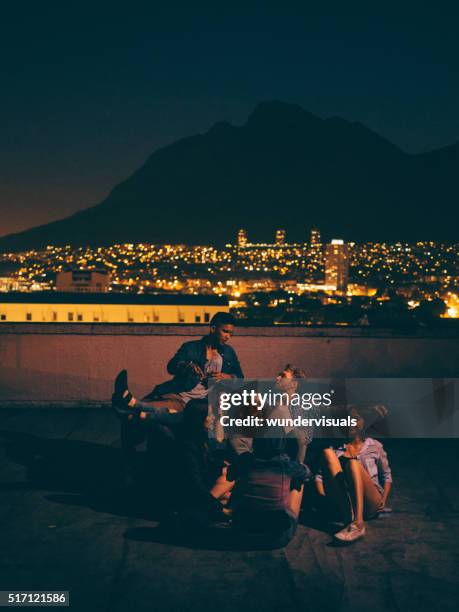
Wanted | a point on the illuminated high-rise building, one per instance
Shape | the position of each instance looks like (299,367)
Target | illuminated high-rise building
(337,265)
(242,238)
(315,240)
(316,254)
(280,236)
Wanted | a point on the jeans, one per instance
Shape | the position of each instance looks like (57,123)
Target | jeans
(136,430)
(167,410)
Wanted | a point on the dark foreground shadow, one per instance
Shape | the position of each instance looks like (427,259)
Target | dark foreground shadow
(82,474)
(218,538)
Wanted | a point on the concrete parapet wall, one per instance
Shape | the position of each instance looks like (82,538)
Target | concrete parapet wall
(65,363)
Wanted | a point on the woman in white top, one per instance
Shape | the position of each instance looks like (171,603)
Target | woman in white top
(355,479)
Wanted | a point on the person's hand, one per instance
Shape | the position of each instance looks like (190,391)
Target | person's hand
(185,367)
(384,509)
(197,370)
(380,411)
(188,367)
(221,376)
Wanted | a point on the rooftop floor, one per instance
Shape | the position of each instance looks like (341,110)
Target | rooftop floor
(66,525)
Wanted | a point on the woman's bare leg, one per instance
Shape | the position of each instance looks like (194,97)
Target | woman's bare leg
(356,487)
(366,498)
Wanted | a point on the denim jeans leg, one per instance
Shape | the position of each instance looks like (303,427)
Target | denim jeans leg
(160,414)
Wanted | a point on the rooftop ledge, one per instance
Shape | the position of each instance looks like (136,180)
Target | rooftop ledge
(65,363)
(284,331)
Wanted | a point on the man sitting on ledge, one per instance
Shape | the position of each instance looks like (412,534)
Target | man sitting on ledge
(195,364)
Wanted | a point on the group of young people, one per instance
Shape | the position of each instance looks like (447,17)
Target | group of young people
(256,485)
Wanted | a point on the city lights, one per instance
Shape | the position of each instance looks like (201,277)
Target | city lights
(332,271)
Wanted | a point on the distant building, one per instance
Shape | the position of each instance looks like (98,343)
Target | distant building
(315,247)
(83,281)
(337,265)
(199,285)
(359,290)
(242,238)
(280,236)
(12,284)
(315,240)
(55,307)
(250,285)
(8,283)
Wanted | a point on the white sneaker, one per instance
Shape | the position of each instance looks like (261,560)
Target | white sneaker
(351,533)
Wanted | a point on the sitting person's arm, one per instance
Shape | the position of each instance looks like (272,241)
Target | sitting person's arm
(318,481)
(386,492)
(299,473)
(181,361)
(384,469)
(181,366)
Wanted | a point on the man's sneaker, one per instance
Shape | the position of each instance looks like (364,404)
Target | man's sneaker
(351,533)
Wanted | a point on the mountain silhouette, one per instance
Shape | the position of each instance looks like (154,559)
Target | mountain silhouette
(284,168)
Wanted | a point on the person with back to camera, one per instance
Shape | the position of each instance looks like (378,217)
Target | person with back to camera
(267,493)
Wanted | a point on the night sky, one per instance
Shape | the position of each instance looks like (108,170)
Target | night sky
(88,93)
